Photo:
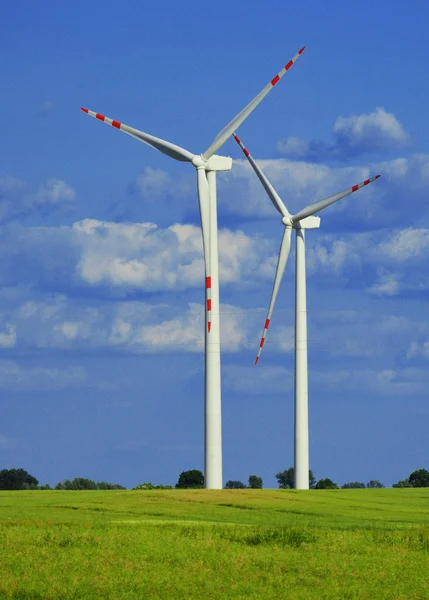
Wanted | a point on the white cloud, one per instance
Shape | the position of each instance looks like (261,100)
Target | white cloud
(406,244)
(387,285)
(8,337)
(418,349)
(353,136)
(16,199)
(298,183)
(376,130)
(142,255)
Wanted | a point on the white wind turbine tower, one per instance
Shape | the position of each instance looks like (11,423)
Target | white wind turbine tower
(304,219)
(207,164)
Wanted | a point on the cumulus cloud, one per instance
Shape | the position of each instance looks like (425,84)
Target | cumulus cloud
(121,258)
(387,285)
(353,136)
(17,199)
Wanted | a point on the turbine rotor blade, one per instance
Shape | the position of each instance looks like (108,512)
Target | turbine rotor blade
(281,265)
(274,197)
(163,146)
(317,206)
(223,135)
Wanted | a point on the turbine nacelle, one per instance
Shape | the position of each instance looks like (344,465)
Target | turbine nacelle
(214,163)
(307,223)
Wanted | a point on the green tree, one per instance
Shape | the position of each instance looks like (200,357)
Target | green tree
(402,483)
(352,485)
(234,485)
(326,484)
(105,485)
(255,482)
(190,479)
(286,480)
(419,478)
(144,486)
(374,483)
(17,479)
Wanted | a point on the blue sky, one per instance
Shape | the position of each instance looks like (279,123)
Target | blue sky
(101,323)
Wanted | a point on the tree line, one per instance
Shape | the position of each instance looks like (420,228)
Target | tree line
(19,479)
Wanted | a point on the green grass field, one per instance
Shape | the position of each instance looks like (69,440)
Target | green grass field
(223,545)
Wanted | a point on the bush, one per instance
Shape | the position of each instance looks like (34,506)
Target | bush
(326,484)
(150,486)
(190,479)
(234,485)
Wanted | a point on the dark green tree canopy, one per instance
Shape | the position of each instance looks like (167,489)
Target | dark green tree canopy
(255,482)
(326,484)
(234,485)
(402,483)
(353,485)
(419,478)
(374,483)
(286,479)
(81,483)
(17,479)
(190,479)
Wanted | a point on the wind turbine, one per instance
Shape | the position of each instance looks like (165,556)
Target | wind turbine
(303,220)
(207,165)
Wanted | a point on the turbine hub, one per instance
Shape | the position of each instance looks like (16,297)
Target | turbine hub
(287,222)
(198,161)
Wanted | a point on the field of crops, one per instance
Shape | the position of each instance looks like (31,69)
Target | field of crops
(365,544)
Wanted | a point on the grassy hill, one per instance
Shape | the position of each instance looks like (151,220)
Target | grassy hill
(229,544)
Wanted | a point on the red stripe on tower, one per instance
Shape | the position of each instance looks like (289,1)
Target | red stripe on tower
(262,342)
(288,66)
(209,304)
(237,139)
(208,282)
(246,152)
(275,80)
(267,323)
(100,117)
(257,360)
(354,188)
(367,181)
(116,124)
(85,110)
(302,50)
(209,326)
